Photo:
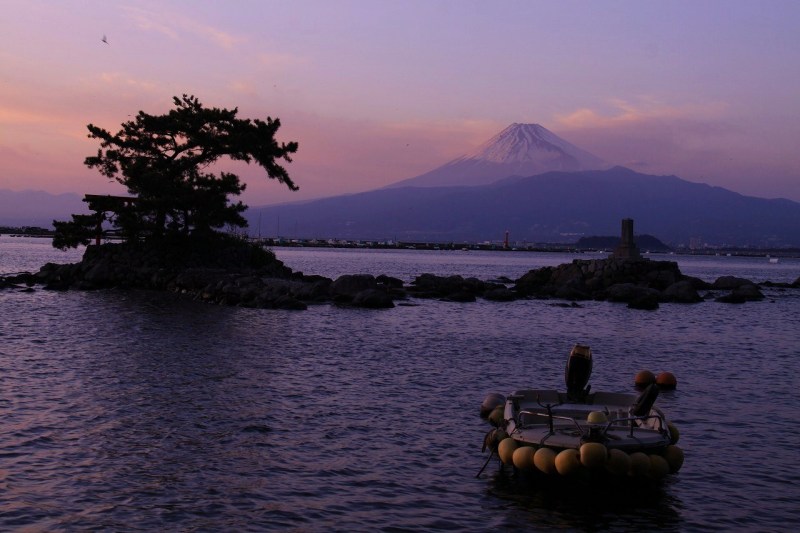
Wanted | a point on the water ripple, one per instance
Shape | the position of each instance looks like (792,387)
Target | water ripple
(141,411)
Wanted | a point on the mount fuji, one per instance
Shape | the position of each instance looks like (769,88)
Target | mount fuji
(518,150)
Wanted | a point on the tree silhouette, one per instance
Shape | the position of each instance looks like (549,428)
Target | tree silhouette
(165,161)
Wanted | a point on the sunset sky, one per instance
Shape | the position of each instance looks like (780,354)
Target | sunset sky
(377,91)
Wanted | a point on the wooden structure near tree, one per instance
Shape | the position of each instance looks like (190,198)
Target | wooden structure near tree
(102,204)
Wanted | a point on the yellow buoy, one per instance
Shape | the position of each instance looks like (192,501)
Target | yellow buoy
(490,402)
(497,416)
(505,450)
(545,460)
(644,378)
(640,464)
(568,462)
(666,380)
(658,467)
(674,457)
(593,454)
(673,433)
(618,462)
(523,457)
(597,417)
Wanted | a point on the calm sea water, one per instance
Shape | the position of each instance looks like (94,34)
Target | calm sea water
(144,411)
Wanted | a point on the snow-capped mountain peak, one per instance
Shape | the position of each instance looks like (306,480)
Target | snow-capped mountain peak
(522,143)
(518,150)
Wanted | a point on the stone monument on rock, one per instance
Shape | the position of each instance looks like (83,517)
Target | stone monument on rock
(627,249)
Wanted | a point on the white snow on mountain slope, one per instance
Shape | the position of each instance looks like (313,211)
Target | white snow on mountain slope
(518,150)
(521,143)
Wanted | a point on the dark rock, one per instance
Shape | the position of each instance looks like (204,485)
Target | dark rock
(288,303)
(746,292)
(571,292)
(571,305)
(534,281)
(661,279)
(750,292)
(641,281)
(697,283)
(626,292)
(731,298)
(460,296)
(454,288)
(231,272)
(196,278)
(57,286)
(373,299)
(313,291)
(647,302)
(17,280)
(730,282)
(500,294)
(346,287)
(682,292)
(390,282)
(569,274)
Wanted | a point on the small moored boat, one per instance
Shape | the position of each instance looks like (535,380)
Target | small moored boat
(564,433)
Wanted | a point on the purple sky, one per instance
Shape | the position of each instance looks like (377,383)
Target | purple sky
(378,91)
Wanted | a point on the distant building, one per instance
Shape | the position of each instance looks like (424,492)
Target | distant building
(627,248)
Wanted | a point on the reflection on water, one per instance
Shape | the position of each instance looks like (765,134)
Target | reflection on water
(531,502)
(144,410)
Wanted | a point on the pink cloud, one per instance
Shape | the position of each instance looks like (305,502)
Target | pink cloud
(698,142)
(340,156)
(174,25)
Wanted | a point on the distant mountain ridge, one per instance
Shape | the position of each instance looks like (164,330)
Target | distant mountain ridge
(481,195)
(518,150)
(550,207)
(37,208)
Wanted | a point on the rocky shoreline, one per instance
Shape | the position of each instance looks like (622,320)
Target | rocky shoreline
(639,283)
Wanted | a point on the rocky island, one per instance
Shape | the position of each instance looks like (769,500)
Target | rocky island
(235,272)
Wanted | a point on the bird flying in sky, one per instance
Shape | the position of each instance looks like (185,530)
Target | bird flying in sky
(104,39)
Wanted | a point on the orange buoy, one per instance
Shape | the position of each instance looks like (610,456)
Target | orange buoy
(666,380)
(505,450)
(523,457)
(593,454)
(496,417)
(545,460)
(644,378)
(674,434)
(659,467)
(568,462)
(639,464)
(618,462)
(674,457)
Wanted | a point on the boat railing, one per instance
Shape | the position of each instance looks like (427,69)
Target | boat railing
(639,422)
(550,417)
(651,421)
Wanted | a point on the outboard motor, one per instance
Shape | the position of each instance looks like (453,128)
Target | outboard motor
(578,371)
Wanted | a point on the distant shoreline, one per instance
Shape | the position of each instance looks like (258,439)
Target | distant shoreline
(42,233)
(538,247)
